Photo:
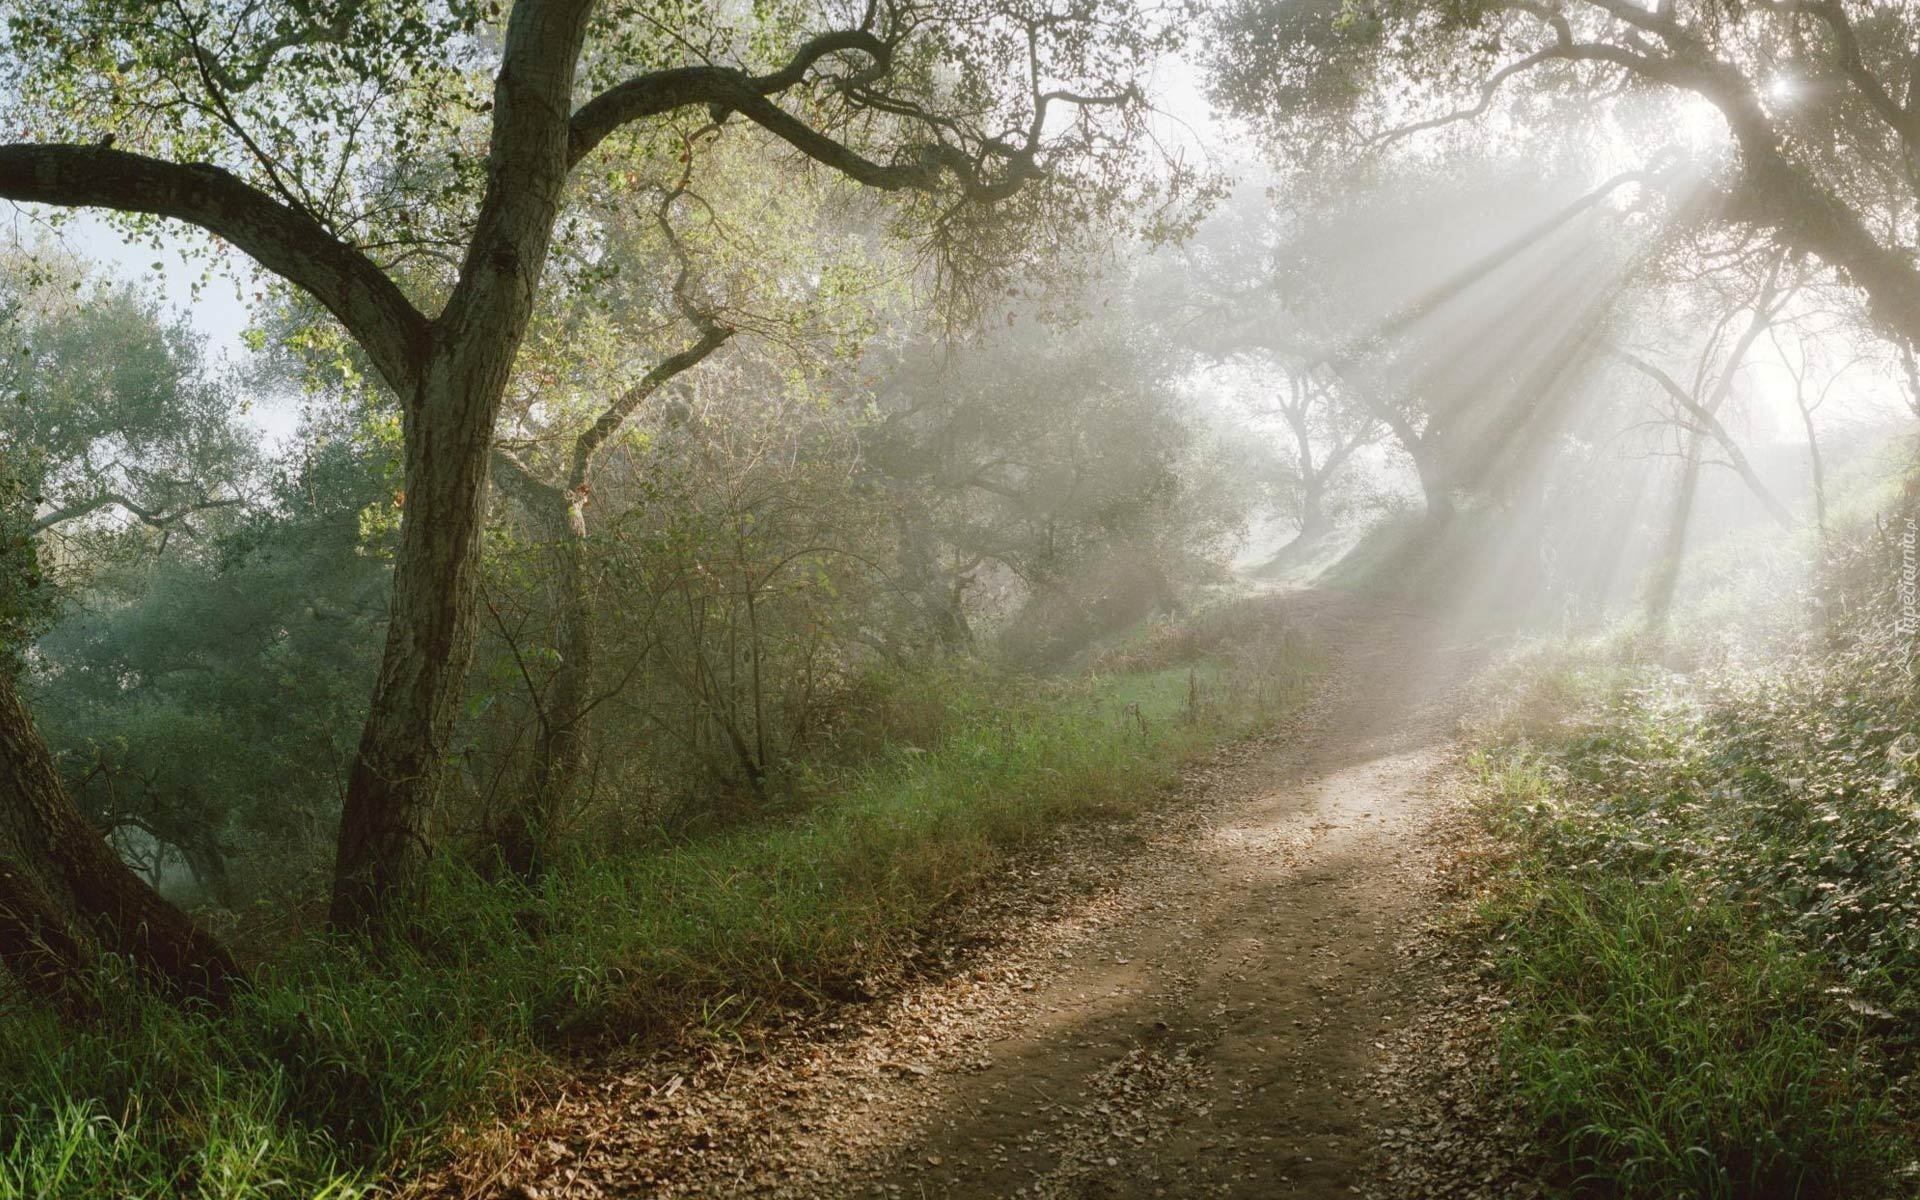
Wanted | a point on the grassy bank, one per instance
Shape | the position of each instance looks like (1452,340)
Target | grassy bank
(335,1071)
(1704,924)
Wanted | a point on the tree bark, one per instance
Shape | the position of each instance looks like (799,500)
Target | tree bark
(39,944)
(63,891)
(383,845)
(383,850)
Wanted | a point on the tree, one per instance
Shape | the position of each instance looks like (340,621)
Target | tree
(203,698)
(1064,456)
(1816,96)
(1238,295)
(742,582)
(1452,305)
(706,250)
(1325,435)
(329,144)
(1696,408)
(108,413)
(558,511)
(1816,349)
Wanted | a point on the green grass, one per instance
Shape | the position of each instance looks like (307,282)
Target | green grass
(334,1071)
(1684,1020)
(1666,1046)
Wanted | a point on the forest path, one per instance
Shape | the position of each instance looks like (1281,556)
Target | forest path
(1192,1009)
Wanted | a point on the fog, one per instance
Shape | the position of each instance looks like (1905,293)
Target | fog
(544,531)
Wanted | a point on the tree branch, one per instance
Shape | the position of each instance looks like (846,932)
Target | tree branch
(713,335)
(148,516)
(1710,424)
(286,242)
(1488,91)
(727,88)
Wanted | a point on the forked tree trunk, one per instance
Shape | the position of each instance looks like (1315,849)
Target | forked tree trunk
(524,834)
(64,892)
(383,849)
(461,375)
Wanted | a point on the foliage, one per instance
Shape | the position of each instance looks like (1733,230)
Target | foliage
(335,1070)
(204,703)
(375,117)
(1668,1046)
(110,417)
(1052,479)
(1708,935)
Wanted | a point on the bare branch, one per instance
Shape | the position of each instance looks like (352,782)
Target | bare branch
(1488,91)
(727,88)
(157,518)
(1708,423)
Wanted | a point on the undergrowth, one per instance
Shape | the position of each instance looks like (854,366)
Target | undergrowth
(336,1070)
(1706,928)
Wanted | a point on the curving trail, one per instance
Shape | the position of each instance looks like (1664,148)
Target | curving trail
(1190,1006)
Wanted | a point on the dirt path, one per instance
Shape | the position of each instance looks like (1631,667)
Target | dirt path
(1193,1011)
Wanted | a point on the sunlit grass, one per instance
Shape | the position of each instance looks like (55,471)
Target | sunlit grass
(1669,1045)
(1703,927)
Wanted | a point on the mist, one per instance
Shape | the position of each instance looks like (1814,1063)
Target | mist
(1265,598)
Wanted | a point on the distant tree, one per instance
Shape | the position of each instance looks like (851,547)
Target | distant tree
(1453,305)
(108,412)
(109,417)
(742,562)
(1234,296)
(1817,98)
(1065,457)
(716,243)
(204,700)
(1737,303)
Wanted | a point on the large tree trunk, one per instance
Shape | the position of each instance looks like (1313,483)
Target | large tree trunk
(462,375)
(1419,445)
(40,944)
(1314,522)
(64,891)
(383,847)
